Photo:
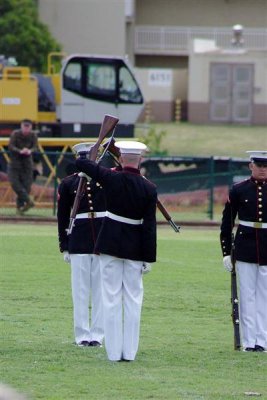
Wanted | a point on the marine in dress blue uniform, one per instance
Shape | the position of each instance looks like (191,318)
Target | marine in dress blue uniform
(78,249)
(248,202)
(126,240)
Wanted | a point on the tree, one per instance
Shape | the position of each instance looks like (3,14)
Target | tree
(23,36)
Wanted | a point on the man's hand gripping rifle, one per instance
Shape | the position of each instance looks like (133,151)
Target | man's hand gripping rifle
(108,125)
(115,154)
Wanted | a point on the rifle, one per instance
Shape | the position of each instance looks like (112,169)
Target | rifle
(167,216)
(107,126)
(115,154)
(235,301)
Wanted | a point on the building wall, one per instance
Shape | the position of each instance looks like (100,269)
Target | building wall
(156,61)
(199,83)
(86,26)
(196,13)
(202,12)
(162,94)
(102,26)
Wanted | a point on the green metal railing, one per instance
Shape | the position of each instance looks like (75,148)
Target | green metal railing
(182,184)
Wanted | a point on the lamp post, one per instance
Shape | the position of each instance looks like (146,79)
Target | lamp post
(237,40)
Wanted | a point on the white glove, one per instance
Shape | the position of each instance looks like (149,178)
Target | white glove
(83,175)
(146,267)
(66,256)
(227,263)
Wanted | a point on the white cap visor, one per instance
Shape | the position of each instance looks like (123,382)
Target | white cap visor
(131,147)
(82,147)
(258,155)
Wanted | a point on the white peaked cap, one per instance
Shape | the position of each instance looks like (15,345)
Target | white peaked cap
(257,155)
(82,147)
(131,147)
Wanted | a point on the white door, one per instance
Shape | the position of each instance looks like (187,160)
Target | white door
(231,93)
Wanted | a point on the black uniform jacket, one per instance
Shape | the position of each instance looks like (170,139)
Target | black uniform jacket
(128,195)
(248,201)
(83,237)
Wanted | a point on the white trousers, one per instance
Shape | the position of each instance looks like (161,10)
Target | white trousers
(122,291)
(253,303)
(86,286)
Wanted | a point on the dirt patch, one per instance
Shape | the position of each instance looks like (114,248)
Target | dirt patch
(194,198)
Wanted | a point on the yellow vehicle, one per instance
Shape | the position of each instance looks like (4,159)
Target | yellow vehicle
(73,102)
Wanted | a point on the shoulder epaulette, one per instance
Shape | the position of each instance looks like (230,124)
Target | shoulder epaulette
(241,182)
(151,183)
(69,176)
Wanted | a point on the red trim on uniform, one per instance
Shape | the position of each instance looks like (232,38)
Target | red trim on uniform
(131,170)
(116,169)
(257,181)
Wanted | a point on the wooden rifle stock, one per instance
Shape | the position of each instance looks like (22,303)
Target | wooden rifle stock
(107,126)
(115,153)
(235,301)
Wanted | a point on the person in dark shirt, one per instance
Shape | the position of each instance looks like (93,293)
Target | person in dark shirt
(248,201)
(22,143)
(126,243)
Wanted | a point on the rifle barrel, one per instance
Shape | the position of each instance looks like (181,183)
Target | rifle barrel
(235,310)
(167,216)
(175,227)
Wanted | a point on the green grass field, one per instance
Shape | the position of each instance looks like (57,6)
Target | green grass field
(185,139)
(186,342)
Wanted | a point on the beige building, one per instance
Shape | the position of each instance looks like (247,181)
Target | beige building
(86,26)
(227,85)
(157,36)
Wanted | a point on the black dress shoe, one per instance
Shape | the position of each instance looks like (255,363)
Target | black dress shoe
(249,349)
(94,343)
(259,348)
(83,343)
(125,360)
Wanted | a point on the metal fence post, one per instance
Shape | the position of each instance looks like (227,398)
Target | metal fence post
(211,184)
(55,184)
(230,173)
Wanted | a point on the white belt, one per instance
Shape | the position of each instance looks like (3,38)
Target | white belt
(102,214)
(98,214)
(254,224)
